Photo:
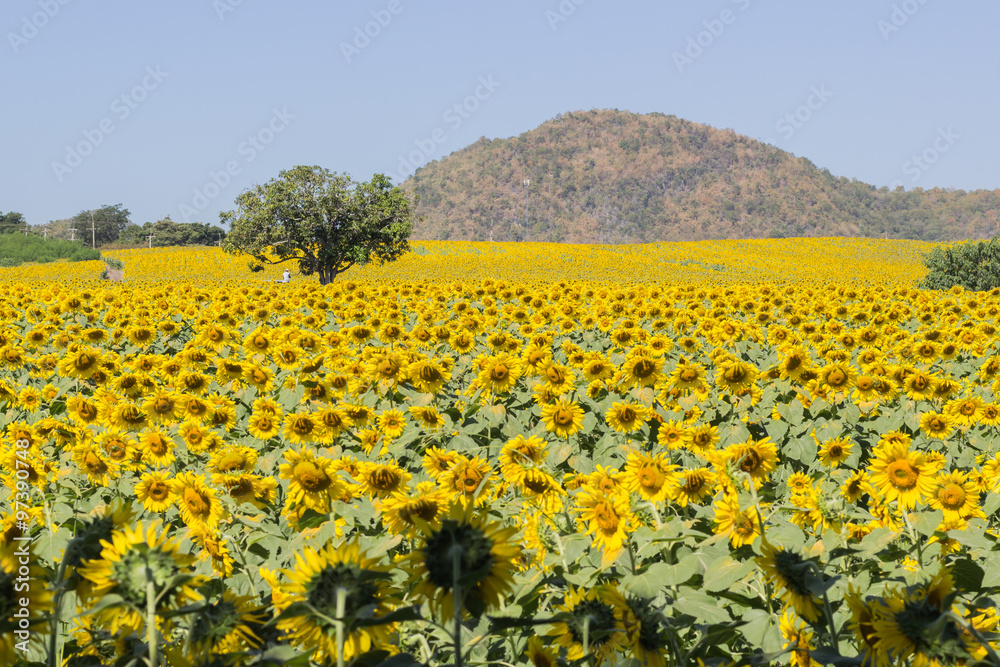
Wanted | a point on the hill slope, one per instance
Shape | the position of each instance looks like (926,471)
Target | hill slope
(618,177)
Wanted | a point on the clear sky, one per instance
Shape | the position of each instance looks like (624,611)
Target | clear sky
(174,108)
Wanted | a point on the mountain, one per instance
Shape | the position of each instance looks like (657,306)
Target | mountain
(608,176)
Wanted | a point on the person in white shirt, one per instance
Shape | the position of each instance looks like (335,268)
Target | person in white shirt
(286,276)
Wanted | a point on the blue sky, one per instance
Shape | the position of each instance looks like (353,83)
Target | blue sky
(174,108)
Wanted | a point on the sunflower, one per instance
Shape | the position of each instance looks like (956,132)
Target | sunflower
(862,623)
(263,425)
(702,439)
(837,377)
(914,624)
(155,491)
(134,562)
(919,386)
(197,438)
(498,374)
(467,548)
(391,423)
(597,368)
(157,447)
(792,574)
(341,583)
(734,377)
(468,478)
(197,502)
(426,501)
(647,630)
(641,370)
(605,516)
(81,410)
(756,458)
(966,411)
(899,474)
(651,476)
(428,418)
(672,434)
(563,417)
(798,640)
(539,654)
(213,547)
(936,425)
(741,526)
(437,461)
(594,622)
(692,487)
(81,363)
(429,376)
(128,417)
(833,452)
(380,480)
(95,463)
(226,626)
(521,454)
(312,480)
(954,494)
(687,375)
(301,428)
(627,417)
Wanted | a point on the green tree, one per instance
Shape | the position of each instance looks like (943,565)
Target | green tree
(12,222)
(973,265)
(325,221)
(108,222)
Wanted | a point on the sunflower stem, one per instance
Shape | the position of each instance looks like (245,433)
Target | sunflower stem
(631,554)
(60,583)
(457,602)
(341,599)
(151,638)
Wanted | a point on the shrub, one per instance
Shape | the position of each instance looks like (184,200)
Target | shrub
(975,265)
(20,248)
(114,263)
(9,261)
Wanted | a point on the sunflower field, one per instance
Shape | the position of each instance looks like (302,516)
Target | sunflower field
(720,453)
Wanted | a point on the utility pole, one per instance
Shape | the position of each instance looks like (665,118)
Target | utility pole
(72,231)
(93,232)
(150,237)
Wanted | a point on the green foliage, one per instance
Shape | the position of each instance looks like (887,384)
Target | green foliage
(166,232)
(973,265)
(101,225)
(11,222)
(615,177)
(325,221)
(16,249)
(114,263)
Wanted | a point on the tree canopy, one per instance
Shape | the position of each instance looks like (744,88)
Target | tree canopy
(11,222)
(325,221)
(166,232)
(108,223)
